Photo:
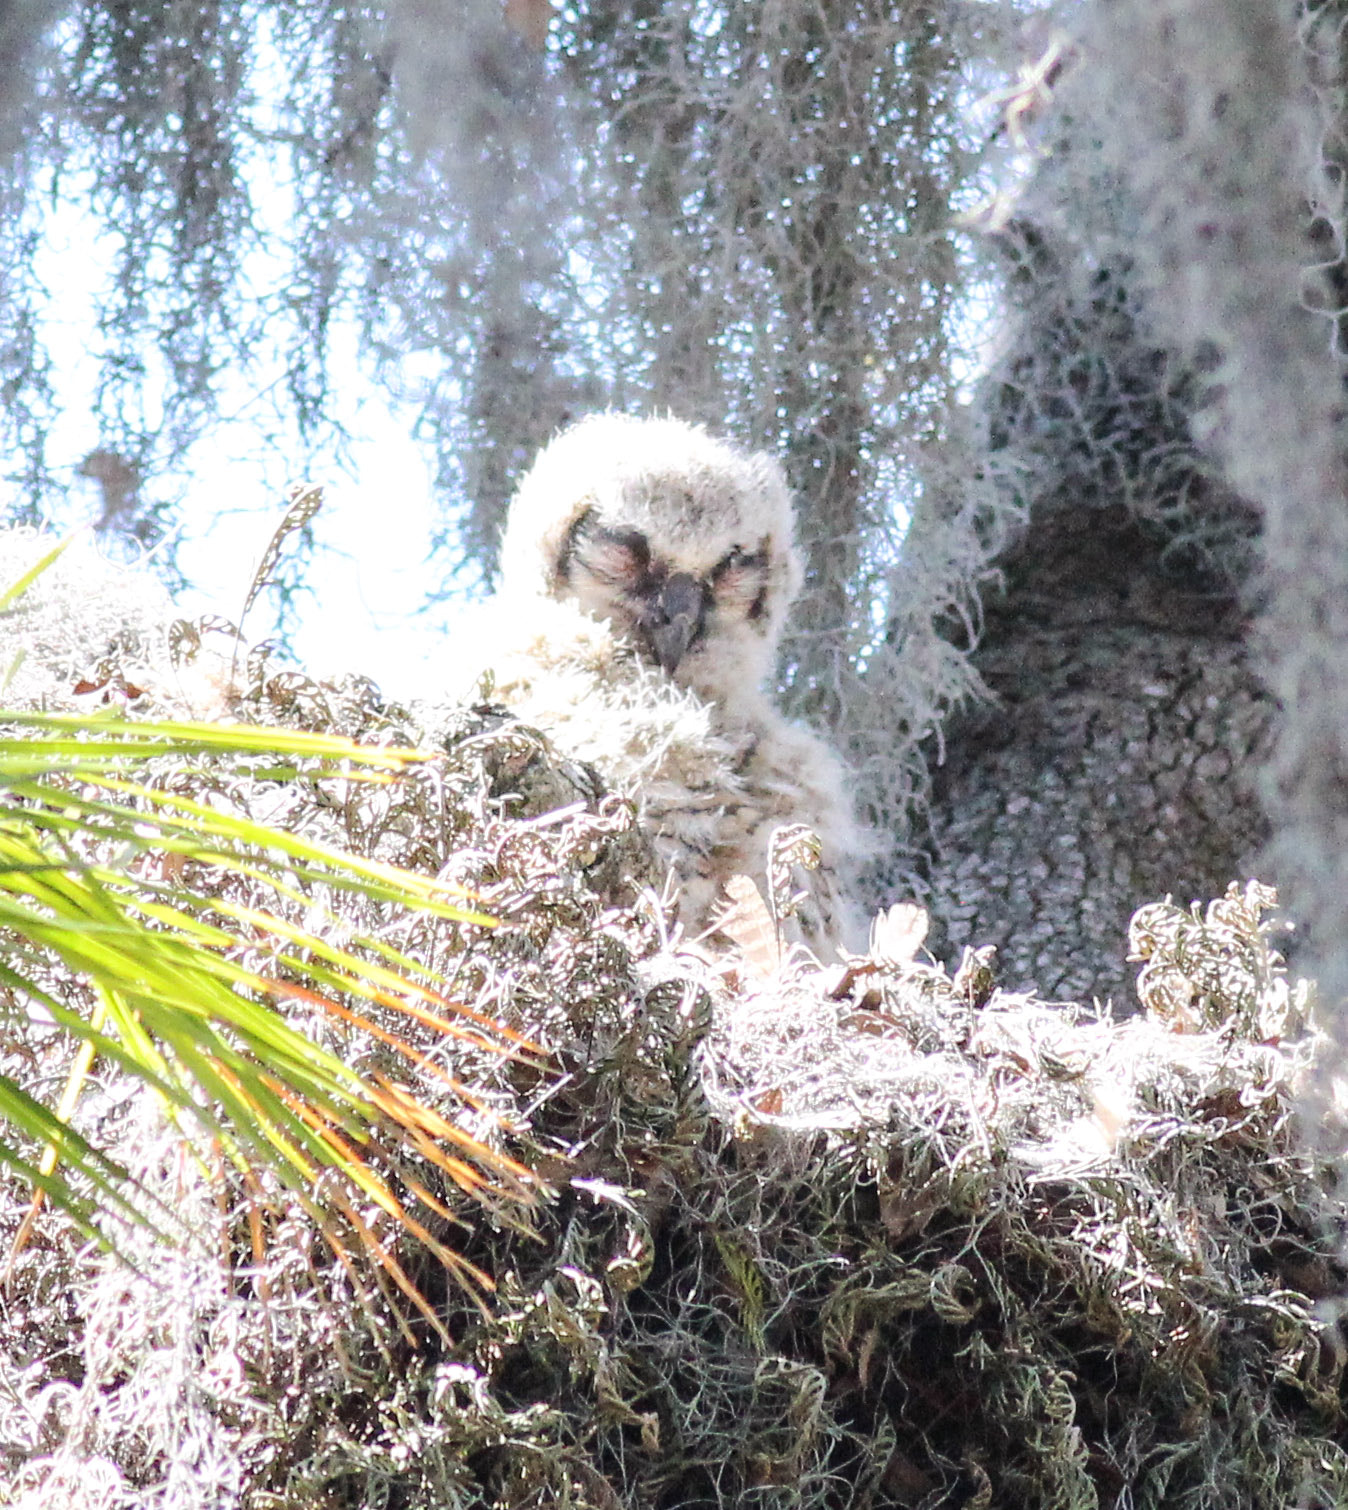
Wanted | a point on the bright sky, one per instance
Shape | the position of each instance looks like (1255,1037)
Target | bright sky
(371,574)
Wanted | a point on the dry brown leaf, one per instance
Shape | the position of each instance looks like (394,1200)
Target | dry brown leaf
(303,501)
(905,1212)
(111,687)
(791,845)
(748,924)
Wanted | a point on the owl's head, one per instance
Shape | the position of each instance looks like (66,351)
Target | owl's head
(683,542)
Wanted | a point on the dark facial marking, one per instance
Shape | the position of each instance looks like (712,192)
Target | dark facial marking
(740,580)
(669,609)
(738,559)
(567,554)
(619,557)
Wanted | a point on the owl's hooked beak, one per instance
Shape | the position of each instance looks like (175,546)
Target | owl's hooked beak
(675,619)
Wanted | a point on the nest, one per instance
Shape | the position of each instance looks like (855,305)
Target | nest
(862,1235)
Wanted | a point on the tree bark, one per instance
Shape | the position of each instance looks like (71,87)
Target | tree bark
(1115,765)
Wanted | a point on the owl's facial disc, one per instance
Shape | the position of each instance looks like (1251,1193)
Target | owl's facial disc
(616,573)
(667,609)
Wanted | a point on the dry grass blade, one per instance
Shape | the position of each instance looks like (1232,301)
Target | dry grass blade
(304,501)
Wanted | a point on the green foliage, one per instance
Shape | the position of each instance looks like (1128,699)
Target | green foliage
(122,925)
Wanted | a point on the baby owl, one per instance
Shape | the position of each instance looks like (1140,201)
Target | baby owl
(646,573)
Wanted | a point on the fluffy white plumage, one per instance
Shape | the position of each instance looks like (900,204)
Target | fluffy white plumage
(646,572)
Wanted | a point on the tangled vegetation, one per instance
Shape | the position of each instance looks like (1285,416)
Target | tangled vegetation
(863,1235)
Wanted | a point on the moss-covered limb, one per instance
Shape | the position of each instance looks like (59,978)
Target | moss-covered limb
(814,1316)
(874,1237)
(1021,1259)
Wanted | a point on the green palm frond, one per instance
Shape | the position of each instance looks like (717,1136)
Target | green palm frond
(177,982)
